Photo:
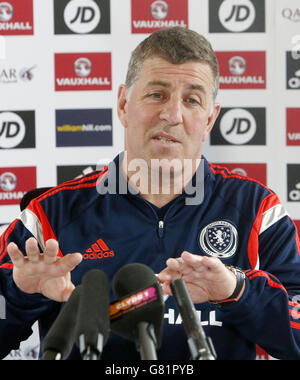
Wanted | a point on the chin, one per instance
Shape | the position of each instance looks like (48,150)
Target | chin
(166,164)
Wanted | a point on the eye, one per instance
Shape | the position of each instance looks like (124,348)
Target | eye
(156,95)
(193,101)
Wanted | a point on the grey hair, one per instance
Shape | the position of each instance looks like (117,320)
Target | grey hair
(176,45)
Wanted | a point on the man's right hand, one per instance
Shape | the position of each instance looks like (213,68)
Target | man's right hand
(44,273)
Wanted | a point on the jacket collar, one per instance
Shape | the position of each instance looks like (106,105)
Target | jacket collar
(116,183)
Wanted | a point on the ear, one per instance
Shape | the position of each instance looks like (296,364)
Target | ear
(211,120)
(122,104)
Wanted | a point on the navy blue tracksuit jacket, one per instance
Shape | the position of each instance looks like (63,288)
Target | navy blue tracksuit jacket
(238,220)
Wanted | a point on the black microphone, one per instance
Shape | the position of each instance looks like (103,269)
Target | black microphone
(138,314)
(201,347)
(93,323)
(59,340)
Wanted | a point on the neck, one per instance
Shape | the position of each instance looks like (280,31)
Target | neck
(155,183)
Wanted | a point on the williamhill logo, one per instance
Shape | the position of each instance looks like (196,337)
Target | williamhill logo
(98,250)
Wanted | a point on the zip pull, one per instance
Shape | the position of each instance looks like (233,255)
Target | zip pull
(161,228)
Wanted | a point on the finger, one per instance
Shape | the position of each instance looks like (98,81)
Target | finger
(201,263)
(166,289)
(195,275)
(179,265)
(174,264)
(164,275)
(51,251)
(192,259)
(32,250)
(168,275)
(212,263)
(16,255)
(67,263)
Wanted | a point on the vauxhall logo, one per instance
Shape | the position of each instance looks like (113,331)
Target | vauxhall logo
(159,10)
(15,182)
(14,19)
(247,69)
(6,11)
(150,15)
(237,65)
(77,72)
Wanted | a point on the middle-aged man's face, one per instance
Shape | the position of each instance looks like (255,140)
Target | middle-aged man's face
(167,113)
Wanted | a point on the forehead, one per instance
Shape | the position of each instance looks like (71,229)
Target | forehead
(188,74)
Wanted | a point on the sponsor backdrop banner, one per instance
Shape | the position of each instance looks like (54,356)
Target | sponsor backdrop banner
(61,62)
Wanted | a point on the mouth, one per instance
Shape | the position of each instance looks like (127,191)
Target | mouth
(164,138)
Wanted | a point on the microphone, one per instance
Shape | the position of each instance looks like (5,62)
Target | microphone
(59,340)
(138,315)
(201,347)
(93,323)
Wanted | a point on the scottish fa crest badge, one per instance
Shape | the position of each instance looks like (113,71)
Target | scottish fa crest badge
(219,239)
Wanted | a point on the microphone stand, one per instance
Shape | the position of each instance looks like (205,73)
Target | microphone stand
(200,345)
(88,351)
(200,351)
(146,344)
(51,355)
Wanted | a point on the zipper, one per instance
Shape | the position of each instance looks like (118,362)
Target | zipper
(161,228)
(161,223)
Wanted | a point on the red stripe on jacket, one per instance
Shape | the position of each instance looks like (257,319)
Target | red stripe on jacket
(253,243)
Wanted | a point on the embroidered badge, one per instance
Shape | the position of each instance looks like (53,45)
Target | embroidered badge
(219,239)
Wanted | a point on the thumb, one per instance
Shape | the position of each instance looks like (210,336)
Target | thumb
(68,262)
(66,293)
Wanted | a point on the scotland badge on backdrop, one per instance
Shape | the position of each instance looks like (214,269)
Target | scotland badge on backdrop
(219,239)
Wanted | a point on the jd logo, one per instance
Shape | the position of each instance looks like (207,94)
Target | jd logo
(82,16)
(237,15)
(238,126)
(12,130)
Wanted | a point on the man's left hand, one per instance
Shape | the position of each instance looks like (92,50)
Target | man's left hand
(207,278)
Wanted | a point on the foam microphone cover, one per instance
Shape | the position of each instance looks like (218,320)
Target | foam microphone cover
(131,280)
(61,336)
(93,313)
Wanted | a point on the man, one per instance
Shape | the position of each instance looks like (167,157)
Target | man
(227,236)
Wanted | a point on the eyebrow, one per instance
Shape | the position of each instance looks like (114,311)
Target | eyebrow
(197,87)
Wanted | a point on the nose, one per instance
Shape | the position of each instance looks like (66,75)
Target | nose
(171,111)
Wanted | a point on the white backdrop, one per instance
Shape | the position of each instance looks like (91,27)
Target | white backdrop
(50,132)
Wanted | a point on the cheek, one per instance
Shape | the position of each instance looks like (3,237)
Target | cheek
(197,128)
(141,118)
(205,134)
